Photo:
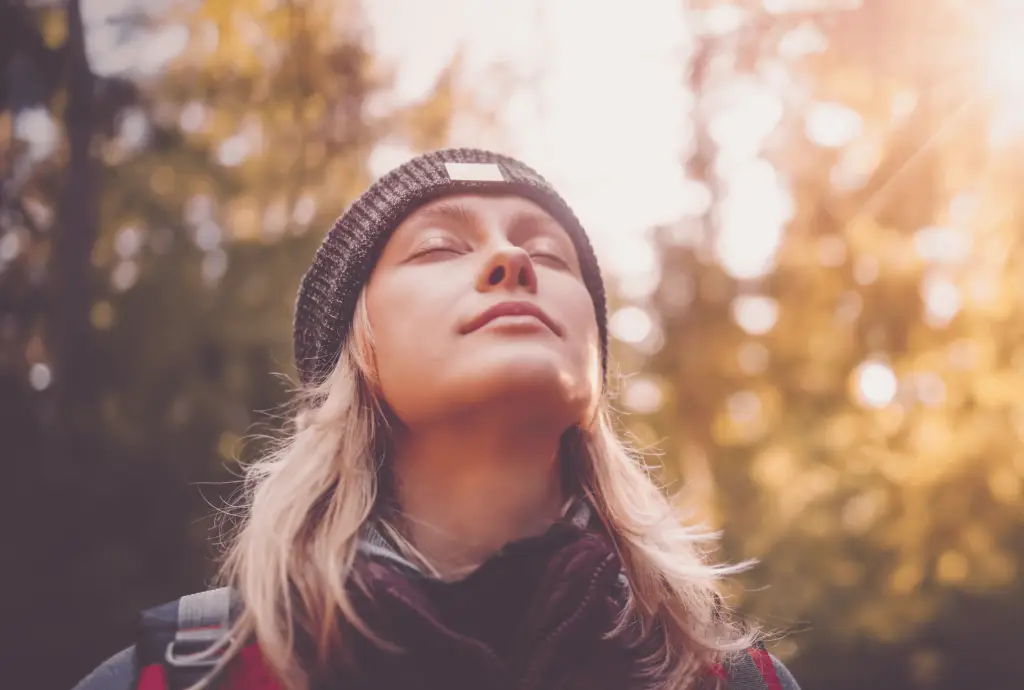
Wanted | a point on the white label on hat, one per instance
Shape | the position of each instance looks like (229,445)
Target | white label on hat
(474,172)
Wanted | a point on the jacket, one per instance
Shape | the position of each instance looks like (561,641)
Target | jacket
(532,617)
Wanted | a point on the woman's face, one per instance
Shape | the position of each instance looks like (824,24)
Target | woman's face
(479,301)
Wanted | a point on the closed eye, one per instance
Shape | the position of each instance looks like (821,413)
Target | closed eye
(435,248)
(554,258)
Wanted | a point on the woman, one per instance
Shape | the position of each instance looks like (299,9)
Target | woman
(453,508)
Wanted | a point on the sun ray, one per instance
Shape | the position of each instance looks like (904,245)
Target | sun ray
(870,205)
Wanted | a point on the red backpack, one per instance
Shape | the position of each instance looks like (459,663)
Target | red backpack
(175,640)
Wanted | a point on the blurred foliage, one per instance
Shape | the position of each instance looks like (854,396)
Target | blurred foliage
(210,176)
(843,399)
(846,402)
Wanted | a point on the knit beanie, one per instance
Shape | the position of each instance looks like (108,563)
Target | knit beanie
(330,288)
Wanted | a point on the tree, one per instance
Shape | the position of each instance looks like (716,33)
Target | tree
(213,175)
(841,398)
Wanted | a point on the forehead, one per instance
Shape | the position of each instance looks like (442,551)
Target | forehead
(486,208)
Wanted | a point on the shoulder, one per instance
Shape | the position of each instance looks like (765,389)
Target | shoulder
(116,673)
(756,669)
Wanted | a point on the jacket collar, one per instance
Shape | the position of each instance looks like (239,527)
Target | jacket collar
(374,543)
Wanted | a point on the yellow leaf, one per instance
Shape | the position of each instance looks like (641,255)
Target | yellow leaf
(54,28)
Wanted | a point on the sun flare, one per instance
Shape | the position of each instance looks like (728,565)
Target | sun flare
(1003,76)
(1004,58)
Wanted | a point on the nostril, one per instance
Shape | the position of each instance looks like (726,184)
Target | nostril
(524,280)
(497,275)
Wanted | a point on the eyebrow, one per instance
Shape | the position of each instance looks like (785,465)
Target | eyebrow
(448,212)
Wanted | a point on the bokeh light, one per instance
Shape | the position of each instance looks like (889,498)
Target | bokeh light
(643,395)
(806,212)
(40,376)
(833,125)
(631,325)
(755,314)
(874,384)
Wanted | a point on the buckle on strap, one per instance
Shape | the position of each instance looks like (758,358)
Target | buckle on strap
(195,648)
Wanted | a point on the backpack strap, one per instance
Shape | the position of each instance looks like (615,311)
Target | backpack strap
(762,660)
(180,642)
(751,669)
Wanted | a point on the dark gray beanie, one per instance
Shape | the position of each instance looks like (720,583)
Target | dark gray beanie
(330,289)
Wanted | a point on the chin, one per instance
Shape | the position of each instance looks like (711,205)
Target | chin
(528,381)
(544,385)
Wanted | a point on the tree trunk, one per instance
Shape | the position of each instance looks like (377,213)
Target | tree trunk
(75,234)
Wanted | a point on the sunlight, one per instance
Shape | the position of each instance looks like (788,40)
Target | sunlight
(616,160)
(631,325)
(943,245)
(744,407)
(232,151)
(806,39)
(128,241)
(643,396)
(388,155)
(40,376)
(747,114)
(941,300)
(752,219)
(37,128)
(755,314)
(124,275)
(930,388)
(10,245)
(833,125)
(719,20)
(192,117)
(1003,55)
(809,6)
(1004,80)
(874,384)
(636,266)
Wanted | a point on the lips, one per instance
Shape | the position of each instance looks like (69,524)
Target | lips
(513,309)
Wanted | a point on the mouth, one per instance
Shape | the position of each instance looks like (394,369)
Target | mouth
(510,310)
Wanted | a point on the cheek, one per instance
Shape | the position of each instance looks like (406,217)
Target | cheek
(582,320)
(584,341)
(408,332)
(385,329)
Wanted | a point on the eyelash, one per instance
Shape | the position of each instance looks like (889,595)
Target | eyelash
(436,248)
(451,250)
(553,257)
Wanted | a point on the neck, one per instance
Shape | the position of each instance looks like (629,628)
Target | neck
(468,488)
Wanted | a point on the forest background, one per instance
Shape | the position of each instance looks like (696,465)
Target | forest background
(810,215)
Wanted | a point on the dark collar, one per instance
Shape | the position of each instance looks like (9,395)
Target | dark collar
(521,612)
(374,543)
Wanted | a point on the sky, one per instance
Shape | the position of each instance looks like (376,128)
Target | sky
(605,115)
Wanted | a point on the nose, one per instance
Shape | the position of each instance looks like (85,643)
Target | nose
(508,268)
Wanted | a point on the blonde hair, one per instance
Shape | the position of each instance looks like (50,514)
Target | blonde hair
(307,501)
